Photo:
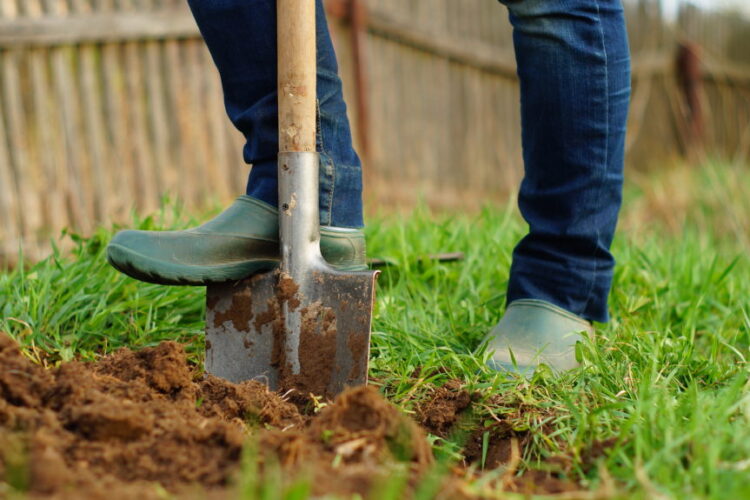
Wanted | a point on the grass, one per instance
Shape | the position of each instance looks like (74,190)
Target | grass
(666,383)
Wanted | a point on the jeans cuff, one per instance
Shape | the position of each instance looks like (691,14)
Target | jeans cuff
(340,194)
(583,293)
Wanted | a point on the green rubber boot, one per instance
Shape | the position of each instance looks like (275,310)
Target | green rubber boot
(533,332)
(240,241)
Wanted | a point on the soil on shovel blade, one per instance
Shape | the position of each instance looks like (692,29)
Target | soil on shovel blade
(139,423)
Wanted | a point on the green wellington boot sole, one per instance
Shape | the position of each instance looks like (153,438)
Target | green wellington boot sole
(147,269)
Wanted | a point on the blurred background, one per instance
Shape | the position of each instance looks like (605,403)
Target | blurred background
(107,106)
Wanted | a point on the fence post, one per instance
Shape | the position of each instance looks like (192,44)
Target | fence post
(689,77)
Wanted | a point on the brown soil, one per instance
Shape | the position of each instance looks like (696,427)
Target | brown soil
(439,413)
(134,420)
(504,449)
(317,339)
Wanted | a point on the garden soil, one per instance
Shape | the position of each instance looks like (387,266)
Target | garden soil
(142,423)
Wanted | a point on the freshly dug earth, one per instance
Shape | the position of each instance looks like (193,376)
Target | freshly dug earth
(135,422)
(439,413)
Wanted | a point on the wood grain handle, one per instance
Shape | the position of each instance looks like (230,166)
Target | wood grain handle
(296,75)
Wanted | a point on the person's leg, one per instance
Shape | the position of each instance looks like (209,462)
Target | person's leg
(574,70)
(243,240)
(241,36)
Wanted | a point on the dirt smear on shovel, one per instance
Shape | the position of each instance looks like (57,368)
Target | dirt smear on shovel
(138,423)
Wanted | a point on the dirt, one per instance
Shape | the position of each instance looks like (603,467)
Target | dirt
(352,444)
(239,313)
(132,417)
(441,411)
(316,371)
(288,291)
(134,420)
(317,348)
(504,449)
(359,346)
(317,340)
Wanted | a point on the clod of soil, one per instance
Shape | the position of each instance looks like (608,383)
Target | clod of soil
(439,413)
(353,444)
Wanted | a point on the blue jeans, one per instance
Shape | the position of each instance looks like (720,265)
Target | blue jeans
(574,69)
(241,36)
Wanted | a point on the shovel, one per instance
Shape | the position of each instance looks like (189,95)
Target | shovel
(304,326)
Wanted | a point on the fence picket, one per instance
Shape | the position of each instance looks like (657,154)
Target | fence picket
(11,230)
(21,172)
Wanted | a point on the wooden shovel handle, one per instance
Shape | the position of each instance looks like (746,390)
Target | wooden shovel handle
(296,75)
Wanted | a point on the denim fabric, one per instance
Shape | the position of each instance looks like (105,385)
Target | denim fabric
(241,36)
(574,67)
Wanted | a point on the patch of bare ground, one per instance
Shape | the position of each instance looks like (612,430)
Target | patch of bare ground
(137,422)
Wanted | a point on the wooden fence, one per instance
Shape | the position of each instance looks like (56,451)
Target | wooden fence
(108,105)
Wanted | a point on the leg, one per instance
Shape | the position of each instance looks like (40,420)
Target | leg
(574,70)
(241,36)
(243,240)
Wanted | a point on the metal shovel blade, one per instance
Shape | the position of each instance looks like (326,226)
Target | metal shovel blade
(305,326)
(312,337)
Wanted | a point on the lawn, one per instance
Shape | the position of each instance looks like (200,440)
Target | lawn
(660,407)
